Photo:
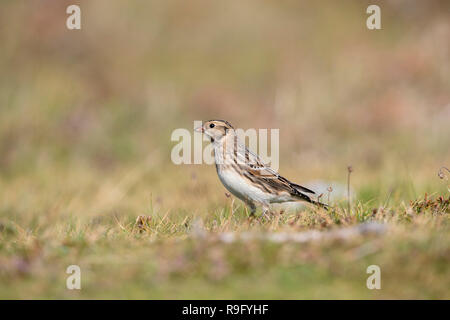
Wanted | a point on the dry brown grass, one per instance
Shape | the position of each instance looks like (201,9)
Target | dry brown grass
(85,124)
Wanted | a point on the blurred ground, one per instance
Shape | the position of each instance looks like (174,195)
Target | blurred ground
(86,118)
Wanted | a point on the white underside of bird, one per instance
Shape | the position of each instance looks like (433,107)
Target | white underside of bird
(239,187)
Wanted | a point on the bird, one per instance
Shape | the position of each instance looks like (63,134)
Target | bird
(244,174)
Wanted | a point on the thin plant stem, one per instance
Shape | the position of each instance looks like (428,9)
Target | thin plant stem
(349,170)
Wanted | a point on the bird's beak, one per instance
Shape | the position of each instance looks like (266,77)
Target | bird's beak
(199,129)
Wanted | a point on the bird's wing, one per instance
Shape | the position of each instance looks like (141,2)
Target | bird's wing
(252,163)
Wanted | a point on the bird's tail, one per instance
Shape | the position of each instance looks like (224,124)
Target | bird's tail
(304,197)
(320,204)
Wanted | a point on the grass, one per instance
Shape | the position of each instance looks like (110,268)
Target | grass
(177,255)
(86,118)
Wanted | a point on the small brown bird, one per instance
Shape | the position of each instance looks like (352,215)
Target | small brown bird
(244,174)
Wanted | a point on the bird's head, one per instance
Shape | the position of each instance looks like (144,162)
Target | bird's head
(215,129)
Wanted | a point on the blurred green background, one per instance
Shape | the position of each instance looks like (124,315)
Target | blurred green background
(86,115)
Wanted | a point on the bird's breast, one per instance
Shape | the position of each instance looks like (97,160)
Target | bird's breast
(239,186)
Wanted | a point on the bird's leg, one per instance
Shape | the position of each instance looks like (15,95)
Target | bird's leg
(252,207)
(265,210)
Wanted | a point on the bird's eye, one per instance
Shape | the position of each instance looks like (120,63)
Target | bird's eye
(212,125)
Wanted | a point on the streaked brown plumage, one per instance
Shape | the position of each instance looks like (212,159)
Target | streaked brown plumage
(245,175)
